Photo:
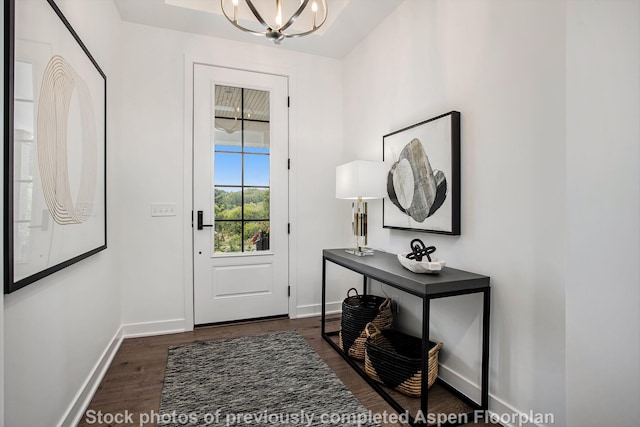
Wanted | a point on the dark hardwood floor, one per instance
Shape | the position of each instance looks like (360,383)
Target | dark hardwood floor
(131,389)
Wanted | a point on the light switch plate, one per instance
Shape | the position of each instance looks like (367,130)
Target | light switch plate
(163,209)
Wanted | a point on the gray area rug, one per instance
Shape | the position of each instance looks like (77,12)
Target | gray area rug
(268,380)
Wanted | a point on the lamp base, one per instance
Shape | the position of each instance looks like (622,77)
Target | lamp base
(359,251)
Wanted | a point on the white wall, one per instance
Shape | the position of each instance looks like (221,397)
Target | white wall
(151,164)
(56,329)
(550,182)
(501,64)
(603,213)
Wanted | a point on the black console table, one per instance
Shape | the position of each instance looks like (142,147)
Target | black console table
(385,267)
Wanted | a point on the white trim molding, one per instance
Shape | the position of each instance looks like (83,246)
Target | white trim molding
(311,310)
(188,194)
(199,56)
(147,329)
(499,411)
(81,401)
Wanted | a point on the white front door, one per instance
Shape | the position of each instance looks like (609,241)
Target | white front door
(240,194)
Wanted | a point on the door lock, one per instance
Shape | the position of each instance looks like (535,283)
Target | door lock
(200,224)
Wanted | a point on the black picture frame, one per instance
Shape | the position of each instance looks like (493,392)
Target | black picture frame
(55,141)
(423,182)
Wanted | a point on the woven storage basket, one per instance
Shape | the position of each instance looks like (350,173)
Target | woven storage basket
(357,312)
(394,359)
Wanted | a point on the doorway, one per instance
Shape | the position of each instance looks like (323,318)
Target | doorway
(240,195)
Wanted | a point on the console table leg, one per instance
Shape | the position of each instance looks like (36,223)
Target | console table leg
(486,308)
(424,386)
(324,294)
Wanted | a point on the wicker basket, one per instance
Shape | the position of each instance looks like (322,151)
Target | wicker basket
(357,312)
(394,359)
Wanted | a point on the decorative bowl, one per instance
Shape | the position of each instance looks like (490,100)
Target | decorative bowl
(428,267)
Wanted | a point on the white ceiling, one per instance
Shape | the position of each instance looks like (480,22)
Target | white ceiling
(348,23)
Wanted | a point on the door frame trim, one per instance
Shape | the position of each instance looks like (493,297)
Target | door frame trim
(191,59)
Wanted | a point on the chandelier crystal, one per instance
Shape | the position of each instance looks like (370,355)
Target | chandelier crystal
(278,29)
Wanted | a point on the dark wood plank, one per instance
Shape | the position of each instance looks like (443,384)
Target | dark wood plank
(133,383)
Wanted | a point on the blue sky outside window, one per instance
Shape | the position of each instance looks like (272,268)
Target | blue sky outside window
(256,170)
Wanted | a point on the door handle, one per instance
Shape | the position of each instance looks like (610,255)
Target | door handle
(200,224)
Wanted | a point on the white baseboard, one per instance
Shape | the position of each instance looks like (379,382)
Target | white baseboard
(312,310)
(460,383)
(76,410)
(147,329)
(503,413)
(508,416)
(82,399)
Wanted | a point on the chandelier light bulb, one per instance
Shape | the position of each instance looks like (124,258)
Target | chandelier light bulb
(314,9)
(235,11)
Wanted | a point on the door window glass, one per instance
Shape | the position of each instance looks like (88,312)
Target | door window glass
(241,165)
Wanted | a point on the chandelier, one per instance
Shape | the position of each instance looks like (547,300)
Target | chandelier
(277,30)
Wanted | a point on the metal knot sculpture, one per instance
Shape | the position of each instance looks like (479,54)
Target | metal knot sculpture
(419,250)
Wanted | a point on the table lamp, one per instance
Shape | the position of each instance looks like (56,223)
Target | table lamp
(360,180)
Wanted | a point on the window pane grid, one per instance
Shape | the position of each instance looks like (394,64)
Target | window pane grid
(241,170)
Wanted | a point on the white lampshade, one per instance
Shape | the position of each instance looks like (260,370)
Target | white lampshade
(361,179)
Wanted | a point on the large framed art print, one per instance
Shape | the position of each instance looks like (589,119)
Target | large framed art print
(423,182)
(55,145)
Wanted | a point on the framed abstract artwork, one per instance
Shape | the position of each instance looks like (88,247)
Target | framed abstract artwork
(55,145)
(423,182)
